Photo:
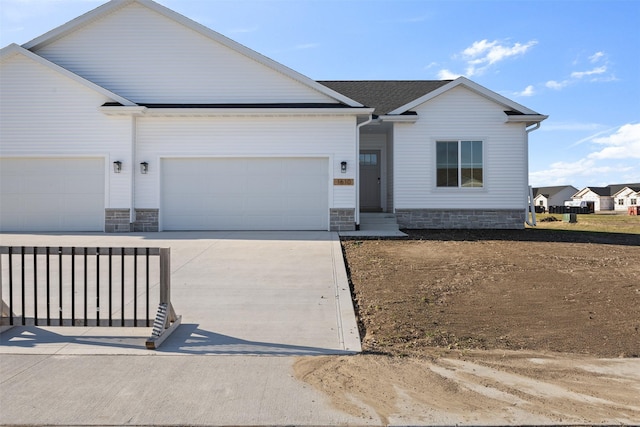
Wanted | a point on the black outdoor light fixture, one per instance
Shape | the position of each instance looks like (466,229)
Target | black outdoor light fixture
(117,166)
(144,167)
(343,167)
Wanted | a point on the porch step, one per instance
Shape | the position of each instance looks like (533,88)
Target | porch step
(376,225)
(378,221)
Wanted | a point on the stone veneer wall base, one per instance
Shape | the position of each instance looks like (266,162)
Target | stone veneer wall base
(146,220)
(460,218)
(342,219)
(116,220)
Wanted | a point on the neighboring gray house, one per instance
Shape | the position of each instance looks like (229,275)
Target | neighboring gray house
(603,197)
(133,117)
(553,196)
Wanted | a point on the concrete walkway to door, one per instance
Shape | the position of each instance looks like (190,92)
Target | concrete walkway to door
(251,293)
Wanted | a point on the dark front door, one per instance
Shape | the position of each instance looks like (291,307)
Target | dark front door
(370,181)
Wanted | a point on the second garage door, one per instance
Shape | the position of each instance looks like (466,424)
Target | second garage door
(245,194)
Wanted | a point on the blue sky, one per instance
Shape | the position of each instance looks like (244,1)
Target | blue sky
(577,61)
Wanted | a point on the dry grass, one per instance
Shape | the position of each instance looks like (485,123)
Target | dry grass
(597,223)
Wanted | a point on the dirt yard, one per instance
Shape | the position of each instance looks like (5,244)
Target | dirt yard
(532,326)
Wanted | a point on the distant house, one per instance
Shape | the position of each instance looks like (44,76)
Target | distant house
(604,197)
(553,196)
(626,197)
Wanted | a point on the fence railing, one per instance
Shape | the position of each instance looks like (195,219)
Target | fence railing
(88,286)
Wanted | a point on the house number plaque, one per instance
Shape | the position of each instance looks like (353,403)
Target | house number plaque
(343,181)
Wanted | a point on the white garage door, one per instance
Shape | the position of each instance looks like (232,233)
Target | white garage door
(245,194)
(61,194)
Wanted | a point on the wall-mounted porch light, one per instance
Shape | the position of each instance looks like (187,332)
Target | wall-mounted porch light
(117,166)
(144,167)
(343,167)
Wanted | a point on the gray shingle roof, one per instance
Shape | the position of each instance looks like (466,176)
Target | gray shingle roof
(384,95)
(551,191)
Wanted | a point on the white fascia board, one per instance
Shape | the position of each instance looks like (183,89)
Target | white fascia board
(528,119)
(207,32)
(481,90)
(192,112)
(407,118)
(121,110)
(14,49)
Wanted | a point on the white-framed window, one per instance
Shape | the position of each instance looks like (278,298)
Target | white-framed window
(459,164)
(633,202)
(620,202)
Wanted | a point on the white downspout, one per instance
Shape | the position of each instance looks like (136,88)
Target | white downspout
(530,205)
(357,183)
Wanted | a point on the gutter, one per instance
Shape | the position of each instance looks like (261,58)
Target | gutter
(357,183)
(530,206)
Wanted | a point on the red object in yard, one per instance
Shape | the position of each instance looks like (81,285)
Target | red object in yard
(634,210)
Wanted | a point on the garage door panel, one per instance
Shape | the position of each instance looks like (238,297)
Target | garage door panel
(266,184)
(80,222)
(223,204)
(263,167)
(306,167)
(184,204)
(81,203)
(82,185)
(52,194)
(245,194)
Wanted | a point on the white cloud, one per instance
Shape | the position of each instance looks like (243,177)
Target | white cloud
(552,84)
(447,75)
(528,91)
(484,53)
(624,144)
(601,73)
(614,163)
(581,74)
(596,57)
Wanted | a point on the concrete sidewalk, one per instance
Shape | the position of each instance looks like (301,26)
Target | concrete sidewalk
(240,293)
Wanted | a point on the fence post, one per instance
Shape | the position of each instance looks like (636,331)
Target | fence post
(166,319)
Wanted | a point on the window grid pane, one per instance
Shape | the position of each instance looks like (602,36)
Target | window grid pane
(459,164)
(447,163)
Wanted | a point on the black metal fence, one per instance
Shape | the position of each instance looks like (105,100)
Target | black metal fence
(87,286)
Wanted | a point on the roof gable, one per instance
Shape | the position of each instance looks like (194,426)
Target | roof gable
(627,191)
(14,49)
(513,108)
(149,41)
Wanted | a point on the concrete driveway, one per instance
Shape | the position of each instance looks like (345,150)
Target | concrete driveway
(266,293)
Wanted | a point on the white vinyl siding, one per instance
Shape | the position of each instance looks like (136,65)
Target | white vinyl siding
(244,194)
(149,58)
(51,194)
(46,114)
(460,114)
(197,137)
